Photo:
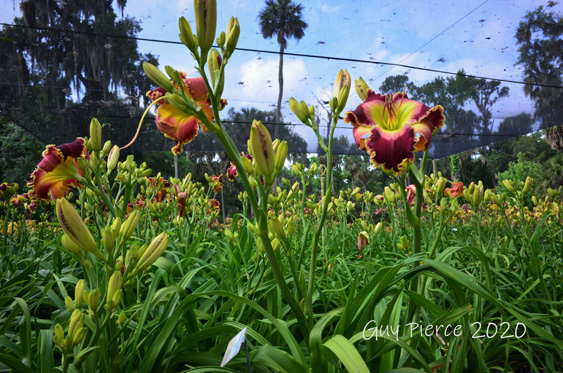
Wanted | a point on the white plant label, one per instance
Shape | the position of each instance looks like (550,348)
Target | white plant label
(234,346)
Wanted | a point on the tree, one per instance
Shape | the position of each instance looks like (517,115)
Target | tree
(398,83)
(60,51)
(284,19)
(539,36)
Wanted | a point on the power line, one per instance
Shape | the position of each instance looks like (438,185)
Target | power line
(294,55)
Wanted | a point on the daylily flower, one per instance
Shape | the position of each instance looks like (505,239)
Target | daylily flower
(455,191)
(58,170)
(391,128)
(215,182)
(411,194)
(176,124)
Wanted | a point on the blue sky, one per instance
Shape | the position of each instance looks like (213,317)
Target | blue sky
(475,35)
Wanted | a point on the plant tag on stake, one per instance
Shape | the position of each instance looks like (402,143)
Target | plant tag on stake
(234,346)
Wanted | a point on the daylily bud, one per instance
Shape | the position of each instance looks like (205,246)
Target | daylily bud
(108,239)
(534,200)
(221,41)
(233,32)
(76,322)
(247,165)
(389,195)
(95,135)
(214,64)
(121,319)
(440,185)
(78,293)
(404,243)
(114,285)
(70,245)
(173,74)
(378,227)
(281,155)
(262,149)
(69,304)
(363,240)
(152,253)
(186,34)
(508,185)
(74,227)
(106,148)
(362,89)
(93,299)
(116,225)
(277,227)
(79,336)
(297,169)
(355,191)
(528,184)
(130,225)
(113,158)
(59,334)
(341,89)
(205,23)
(154,74)
(300,110)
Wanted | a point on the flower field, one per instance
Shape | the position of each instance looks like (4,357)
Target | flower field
(106,267)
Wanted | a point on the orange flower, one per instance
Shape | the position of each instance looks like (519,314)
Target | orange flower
(176,124)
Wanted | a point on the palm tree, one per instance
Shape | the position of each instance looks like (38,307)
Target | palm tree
(281,18)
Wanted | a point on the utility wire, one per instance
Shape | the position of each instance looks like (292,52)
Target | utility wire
(294,55)
(435,37)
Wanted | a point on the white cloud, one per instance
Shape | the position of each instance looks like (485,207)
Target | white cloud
(258,79)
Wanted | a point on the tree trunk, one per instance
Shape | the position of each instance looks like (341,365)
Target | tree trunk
(176,166)
(280,82)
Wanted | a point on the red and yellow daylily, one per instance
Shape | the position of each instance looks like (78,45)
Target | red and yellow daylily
(176,124)
(58,170)
(391,128)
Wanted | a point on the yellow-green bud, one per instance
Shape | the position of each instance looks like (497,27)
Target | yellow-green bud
(233,32)
(205,23)
(341,89)
(79,336)
(378,227)
(121,319)
(277,228)
(362,89)
(262,149)
(355,191)
(69,304)
(130,225)
(79,293)
(76,322)
(93,299)
(154,74)
(214,64)
(113,158)
(299,109)
(59,334)
(186,35)
(528,184)
(70,245)
(281,155)
(95,135)
(74,227)
(114,285)
(508,185)
(106,148)
(152,253)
